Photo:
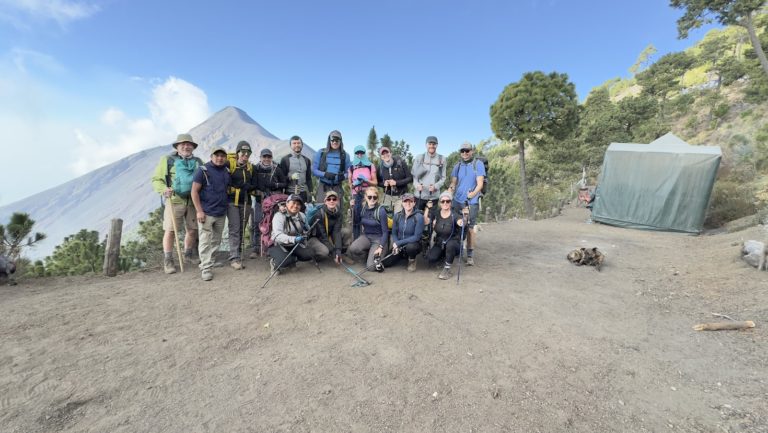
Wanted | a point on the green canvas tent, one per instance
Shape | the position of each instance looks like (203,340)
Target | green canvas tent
(664,185)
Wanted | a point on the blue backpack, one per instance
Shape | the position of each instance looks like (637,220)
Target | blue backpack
(184,170)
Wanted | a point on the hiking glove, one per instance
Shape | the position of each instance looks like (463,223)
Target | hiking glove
(361,178)
(329,175)
(295,176)
(298,239)
(356,183)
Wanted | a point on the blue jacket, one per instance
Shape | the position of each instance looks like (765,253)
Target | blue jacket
(333,167)
(407,229)
(373,228)
(213,195)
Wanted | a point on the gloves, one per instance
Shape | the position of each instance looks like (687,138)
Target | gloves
(298,239)
(356,183)
(330,176)
(295,176)
(362,178)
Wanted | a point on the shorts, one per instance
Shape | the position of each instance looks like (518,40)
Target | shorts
(185,217)
(473,209)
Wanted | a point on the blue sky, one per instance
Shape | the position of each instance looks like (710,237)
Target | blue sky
(84,83)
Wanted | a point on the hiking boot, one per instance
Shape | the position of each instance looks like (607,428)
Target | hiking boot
(273,267)
(191,260)
(168,266)
(445,273)
(207,275)
(377,265)
(348,259)
(411,265)
(470,261)
(253,255)
(236,265)
(218,265)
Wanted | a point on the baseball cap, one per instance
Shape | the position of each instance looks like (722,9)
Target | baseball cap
(465,145)
(431,139)
(218,149)
(407,196)
(243,145)
(266,152)
(294,197)
(331,193)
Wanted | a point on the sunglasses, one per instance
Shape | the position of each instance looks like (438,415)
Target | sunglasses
(331,199)
(359,153)
(466,150)
(335,140)
(267,156)
(371,197)
(384,152)
(445,201)
(282,203)
(408,201)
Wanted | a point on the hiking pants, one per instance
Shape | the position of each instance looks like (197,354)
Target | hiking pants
(438,251)
(258,215)
(364,245)
(210,239)
(301,253)
(237,225)
(409,251)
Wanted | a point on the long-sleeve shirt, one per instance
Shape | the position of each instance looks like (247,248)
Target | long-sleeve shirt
(407,229)
(373,227)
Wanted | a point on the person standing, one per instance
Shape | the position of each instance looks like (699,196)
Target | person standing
(239,207)
(172,179)
(361,175)
(330,166)
(270,179)
(298,169)
(428,174)
(394,177)
(209,195)
(467,179)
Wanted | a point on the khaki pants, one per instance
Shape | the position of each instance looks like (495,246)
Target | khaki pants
(210,239)
(392,203)
(185,216)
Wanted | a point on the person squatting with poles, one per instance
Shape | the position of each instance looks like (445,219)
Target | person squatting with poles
(373,240)
(209,194)
(362,175)
(467,179)
(394,177)
(298,169)
(241,185)
(327,238)
(270,179)
(289,234)
(407,228)
(447,226)
(172,179)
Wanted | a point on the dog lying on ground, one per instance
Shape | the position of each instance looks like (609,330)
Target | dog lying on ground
(587,256)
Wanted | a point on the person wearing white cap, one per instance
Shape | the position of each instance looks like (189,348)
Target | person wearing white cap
(209,194)
(467,178)
(447,228)
(172,179)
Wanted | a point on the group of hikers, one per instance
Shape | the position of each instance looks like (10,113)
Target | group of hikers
(291,223)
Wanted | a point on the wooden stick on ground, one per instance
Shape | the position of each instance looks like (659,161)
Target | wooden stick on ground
(721,326)
(723,316)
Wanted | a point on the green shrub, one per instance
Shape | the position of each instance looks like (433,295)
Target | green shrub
(730,201)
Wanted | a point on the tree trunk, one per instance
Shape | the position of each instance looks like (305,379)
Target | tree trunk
(523,181)
(756,42)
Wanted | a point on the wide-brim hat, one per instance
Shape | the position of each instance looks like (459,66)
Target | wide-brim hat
(184,138)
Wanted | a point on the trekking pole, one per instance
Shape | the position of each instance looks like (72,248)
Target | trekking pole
(368,268)
(361,282)
(286,258)
(176,232)
(461,245)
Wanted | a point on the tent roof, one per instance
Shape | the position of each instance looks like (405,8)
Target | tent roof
(664,148)
(669,139)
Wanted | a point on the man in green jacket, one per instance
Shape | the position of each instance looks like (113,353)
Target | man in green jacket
(173,181)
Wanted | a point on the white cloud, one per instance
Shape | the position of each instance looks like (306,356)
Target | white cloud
(22,59)
(61,11)
(176,106)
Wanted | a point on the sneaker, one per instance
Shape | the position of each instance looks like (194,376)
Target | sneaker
(273,267)
(377,265)
(411,265)
(236,265)
(445,273)
(168,266)
(470,261)
(207,275)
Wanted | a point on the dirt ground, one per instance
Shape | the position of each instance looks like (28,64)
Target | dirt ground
(527,342)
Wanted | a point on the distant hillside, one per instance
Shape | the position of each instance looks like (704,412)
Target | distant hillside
(123,189)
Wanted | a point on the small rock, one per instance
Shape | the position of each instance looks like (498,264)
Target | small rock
(434,395)
(621,402)
(266,325)
(673,388)
(469,354)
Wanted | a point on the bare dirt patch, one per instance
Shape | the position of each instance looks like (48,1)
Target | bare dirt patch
(526,342)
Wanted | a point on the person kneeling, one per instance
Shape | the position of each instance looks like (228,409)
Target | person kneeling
(447,228)
(407,229)
(289,234)
(374,239)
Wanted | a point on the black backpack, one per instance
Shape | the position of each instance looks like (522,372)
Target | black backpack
(484,160)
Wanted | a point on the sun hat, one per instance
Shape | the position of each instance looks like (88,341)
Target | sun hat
(184,138)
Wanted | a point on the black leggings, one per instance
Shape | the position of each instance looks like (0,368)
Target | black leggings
(437,252)
(301,253)
(409,250)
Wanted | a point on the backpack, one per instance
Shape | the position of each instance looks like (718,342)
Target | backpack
(184,170)
(268,208)
(323,166)
(440,163)
(377,217)
(484,160)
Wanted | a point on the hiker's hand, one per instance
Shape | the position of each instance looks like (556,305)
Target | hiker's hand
(362,178)
(431,188)
(471,194)
(337,259)
(168,192)
(460,222)
(201,217)
(330,176)
(356,183)
(430,203)
(465,211)
(295,176)
(395,249)
(298,239)
(419,187)
(379,250)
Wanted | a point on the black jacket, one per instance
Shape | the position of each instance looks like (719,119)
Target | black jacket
(399,172)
